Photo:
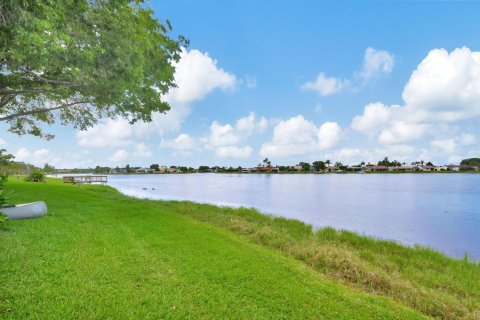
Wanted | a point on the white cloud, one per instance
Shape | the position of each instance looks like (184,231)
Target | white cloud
(468,139)
(298,136)
(118,156)
(374,115)
(328,135)
(41,157)
(38,157)
(249,124)
(446,145)
(444,88)
(196,75)
(182,142)
(22,154)
(376,63)
(326,86)
(400,132)
(233,152)
(222,139)
(3,142)
(142,150)
(109,133)
(222,135)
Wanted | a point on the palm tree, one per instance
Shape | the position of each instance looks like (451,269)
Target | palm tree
(328,162)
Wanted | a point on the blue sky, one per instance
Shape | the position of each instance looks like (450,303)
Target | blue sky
(300,81)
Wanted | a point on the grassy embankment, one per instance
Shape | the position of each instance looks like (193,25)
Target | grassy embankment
(99,254)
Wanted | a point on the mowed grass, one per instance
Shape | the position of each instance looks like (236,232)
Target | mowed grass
(101,255)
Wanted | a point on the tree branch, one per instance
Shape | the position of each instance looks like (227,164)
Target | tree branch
(43,110)
(4,100)
(17,92)
(50,81)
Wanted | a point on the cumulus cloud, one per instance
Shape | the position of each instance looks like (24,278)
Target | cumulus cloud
(446,145)
(118,156)
(142,150)
(376,63)
(298,136)
(444,88)
(38,157)
(2,142)
(225,140)
(22,154)
(109,133)
(326,86)
(374,115)
(182,142)
(196,75)
(233,152)
(401,131)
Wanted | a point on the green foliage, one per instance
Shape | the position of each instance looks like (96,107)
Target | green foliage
(3,219)
(5,158)
(319,165)
(386,162)
(155,167)
(470,162)
(305,166)
(5,161)
(266,163)
(85,59)
(203,168)
(99,169)
(48,168)
(36,176)
(3,196)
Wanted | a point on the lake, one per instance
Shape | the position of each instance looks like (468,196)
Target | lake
(441,211)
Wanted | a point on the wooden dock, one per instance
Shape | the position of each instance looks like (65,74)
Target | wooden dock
(85,179)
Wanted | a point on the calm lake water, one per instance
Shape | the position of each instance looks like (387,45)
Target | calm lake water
(441,211)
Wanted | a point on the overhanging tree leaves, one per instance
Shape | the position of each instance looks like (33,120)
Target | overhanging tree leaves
(80,60)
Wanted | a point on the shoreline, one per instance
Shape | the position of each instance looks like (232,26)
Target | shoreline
(411,276)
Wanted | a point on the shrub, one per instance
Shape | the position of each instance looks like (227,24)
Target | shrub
(3,220)
(3,197)
(36,176)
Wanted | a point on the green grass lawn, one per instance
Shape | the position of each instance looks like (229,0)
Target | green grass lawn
(101,255)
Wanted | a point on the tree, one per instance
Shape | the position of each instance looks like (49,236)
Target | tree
(470,162)
(155,167)
(266,163)
(305,166)
(76,61)
(5,160)
(328,162)
(128,169)
(48,168)
(203,168)
(318,165)
(99,169)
